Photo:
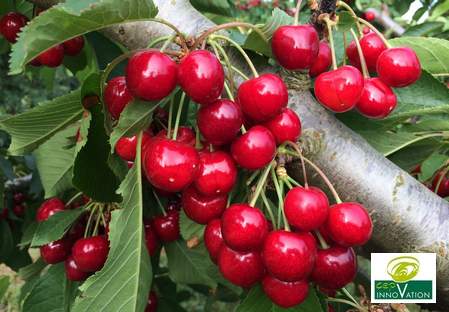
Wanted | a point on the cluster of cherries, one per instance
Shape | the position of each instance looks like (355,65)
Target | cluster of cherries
(440,177)
(12,22)
(19,208)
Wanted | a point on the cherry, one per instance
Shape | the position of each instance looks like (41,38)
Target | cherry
(366,30)
(306,209)
(116,96)
(213,239)
(162,116)
(201,76)
(372,47)
(49,207)
(185,135)
(323,61)
(4,213)
(328,292)
(284,127)
(34,62)
(18,210)
(90,253)
(399,67)
(285,294)
(255,149)
(324,234)
(240,268)
(18,198)
(126,147)
(150,75)
(443,189)
(243,227)
(263,97)
(84,199)
(330,308)
(10,25)
(349,224)
(339,90)
(73,273)
(53,57)
(152,302)
(201,209)
(74,46)
(167,228)
(206,147)
(151,238)
(295,47)
(78,230)
(335,267)
(377,100)
(163,193)
(248,122)
(220,121)
(289,256)
(370,16)
(174,203)
(56,251)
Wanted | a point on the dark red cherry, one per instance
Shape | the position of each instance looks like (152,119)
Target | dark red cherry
(243,227)
(399,67)
(49,207)
(74,46)
(213,239)
(18,210)
(349,224)
(84,199)
(323,61)
(248,122)
(18,198)
(150,75)
(167,228)
(4,213)
(126,147)
(174,202)
(201,209)
(151,238)
(306,209)
(240,268)
(116,96)
(73,273)
(372,47)
(443,189)
(263,97)
(220,121)
(185,135)
(335,267)
(53,57)
(78,230)
(91,253)
(284,127)
(295,47)
(285,294)
(160,116)
(255,149)
(289,256)
(34,62)
(201,76)
(56,251)
(377,100)
(152,302)
(10,25)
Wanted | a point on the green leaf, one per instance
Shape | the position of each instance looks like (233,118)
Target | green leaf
(26,288)
(6,241)
(357,122)
(431,165)
(33,128)
(125,279)
(33,270)
(220,7)
(118,165)
(7,168)
(186,266)
(420,12)
(169,305)
(430,125)
(4,284)
(70,290)
(48,75)
(71,19)
(345,21)
(222,293)
(438,10)
(28,234)
(54,227)
(18,259)
(58,166)
(213,272)
(189,228)
(238,37)
(408,158)
(423,29)
(323,300)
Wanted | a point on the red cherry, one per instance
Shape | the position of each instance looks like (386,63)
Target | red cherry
(220,121)
(366,30)
(285,294)
(53,57)
(152,302)
(248,122)
(34,62)
(91,253)
(73,273)
(289,256)
(240,268)
(263,97)
(84,199)
(417,169)
(255,149)
(213,239)
(243,227)
(185,135)
(18,198)
(330,308)
(74,46)
(18,210)
(370,16)
(150,75)
(174,203)
(328,292)
(126,147)
(349,224)
(167,228)
(49,207)
(116,96)
(284,127)
(10,25)
(324,234)
(78,230)
(162,116)
(399,67)
(372,47)
(206,147)
(56,251)
(171,165)
(323,61)
(201,76)
(443,189)
(339,90)
(201,209)
(306,209)
(4,213)
(295,47)
(335,267)
(151,238)
(377,100)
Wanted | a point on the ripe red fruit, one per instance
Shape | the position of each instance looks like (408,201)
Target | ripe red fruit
(323,61)
(73,272)
(213,239)
(116,96)
(263,97)
(78,230)
(285,294)
(34,62)
(174,203)
(167,228)
(370,16)
(18,198)
(10,25)
(295,47)
(4,213)
(185,135)
(151,238)
(201,209)
(240,268)
(349,224)
(443,189)
(18,210)
(324,234)
(289,256)
(366,30)
(328,292)
(372,47)
(399,67)
(150,75)
(56,251)
(255,149)
(74,46)
(339,90)
(53,57)
(126,147)
(377,100)
(220,121)
(49,207)
(284,127)
(201,76)
(91,253)
(84,199)
(152,302)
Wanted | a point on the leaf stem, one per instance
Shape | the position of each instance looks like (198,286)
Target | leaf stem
(331,38)
(178,116)
(361,56)
(384,40)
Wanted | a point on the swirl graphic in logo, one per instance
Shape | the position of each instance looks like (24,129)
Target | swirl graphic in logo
(403,269)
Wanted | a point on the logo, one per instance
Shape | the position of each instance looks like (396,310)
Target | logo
(402,278)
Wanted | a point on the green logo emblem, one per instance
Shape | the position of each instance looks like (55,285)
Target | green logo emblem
(403,269)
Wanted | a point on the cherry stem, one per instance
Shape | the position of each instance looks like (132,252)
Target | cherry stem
(415,140)
(211,147)
(172,37)
(260,184)
(306,185)
(228,63)
(15,6)
(198,144)
(345,45)
(252,177)
(99,213)
(287,182)
(159,202)
(242,128)
(72,199)
(323,243)
(347,302)
(248,60)
(291,180)
(178,116)
(440,75)
(347,7)
(361,56)
(158,40)
(170,115)
(378,33)
(441,179)
(89,221)
(270,212)
(346,292)
(278,192)
(228,203)
(281,208)
(183,41)
(331,38)
(228,91)
(238,72)
(156,119)
(298,5)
